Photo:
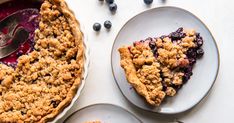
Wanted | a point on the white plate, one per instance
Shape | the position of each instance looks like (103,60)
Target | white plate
(85,73)
(157,22)
(106,113)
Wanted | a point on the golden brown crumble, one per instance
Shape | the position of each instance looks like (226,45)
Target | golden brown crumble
(46,79)
(154,74)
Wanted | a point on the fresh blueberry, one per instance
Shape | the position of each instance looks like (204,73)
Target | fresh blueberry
(97,26)
(113,7)
(110,1)
(200,53)
(148,2)
(107,24)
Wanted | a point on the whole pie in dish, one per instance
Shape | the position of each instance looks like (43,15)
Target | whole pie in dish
(158,67)
(47,75)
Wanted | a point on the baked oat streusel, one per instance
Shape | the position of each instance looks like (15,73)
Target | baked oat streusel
(158,67)
(45,80)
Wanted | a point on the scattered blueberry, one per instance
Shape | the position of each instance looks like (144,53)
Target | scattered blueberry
(200,53)
(113,7)
(148,2)
(110,1)
(97,26)
(107,24)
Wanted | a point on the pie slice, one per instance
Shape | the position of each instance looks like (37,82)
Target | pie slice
(45,80)
(158,67)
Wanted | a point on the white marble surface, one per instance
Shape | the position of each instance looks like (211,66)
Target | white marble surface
(100,86)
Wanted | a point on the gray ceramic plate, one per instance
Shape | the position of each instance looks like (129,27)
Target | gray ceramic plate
(106,113)
(157,22)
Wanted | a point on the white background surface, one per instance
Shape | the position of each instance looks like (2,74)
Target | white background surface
(100,86)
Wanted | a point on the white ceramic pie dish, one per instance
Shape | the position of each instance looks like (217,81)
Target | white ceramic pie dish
(162,21)
(85,74)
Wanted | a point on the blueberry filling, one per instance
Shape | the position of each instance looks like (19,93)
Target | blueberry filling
(192,54)
(54,103)
(177,35)
(200,53)
(29,22)
(153,46)
(22,112)
(163,36)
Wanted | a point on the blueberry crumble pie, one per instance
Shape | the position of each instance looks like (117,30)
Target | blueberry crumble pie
(46,77)
(158,67)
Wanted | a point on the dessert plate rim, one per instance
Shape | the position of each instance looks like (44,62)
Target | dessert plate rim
(103,104)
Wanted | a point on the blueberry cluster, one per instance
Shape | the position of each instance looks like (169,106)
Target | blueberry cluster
(192,54)
(98,26)
(107,24)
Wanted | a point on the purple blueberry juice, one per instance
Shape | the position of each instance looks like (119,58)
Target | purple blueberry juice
(28,12)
